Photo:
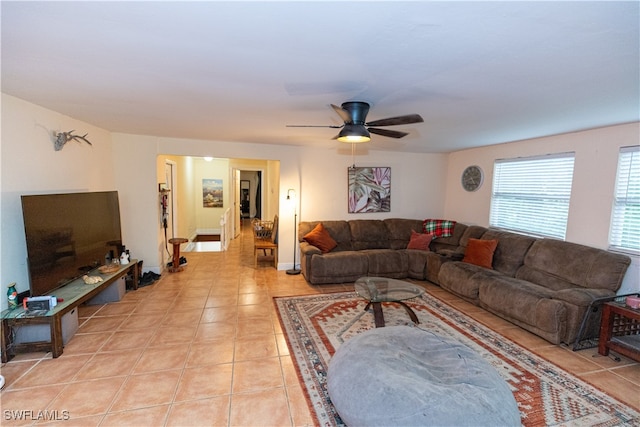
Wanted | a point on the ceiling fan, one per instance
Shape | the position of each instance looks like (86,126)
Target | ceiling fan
(355,129)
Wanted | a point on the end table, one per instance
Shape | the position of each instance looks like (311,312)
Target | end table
(620,330)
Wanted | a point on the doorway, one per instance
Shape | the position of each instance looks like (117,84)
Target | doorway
(187,215)
(245,199)
(250,194)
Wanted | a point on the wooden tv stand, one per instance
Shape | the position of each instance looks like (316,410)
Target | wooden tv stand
(73,293)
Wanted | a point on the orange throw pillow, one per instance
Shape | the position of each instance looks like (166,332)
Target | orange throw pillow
(480,252)
(320,238)
(420,241)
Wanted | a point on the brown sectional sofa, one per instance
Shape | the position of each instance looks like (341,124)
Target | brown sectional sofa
(542,285)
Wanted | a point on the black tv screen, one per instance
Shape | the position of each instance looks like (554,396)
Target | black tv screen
(68,235)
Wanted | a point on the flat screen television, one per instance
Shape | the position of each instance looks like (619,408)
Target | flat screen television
(68,235)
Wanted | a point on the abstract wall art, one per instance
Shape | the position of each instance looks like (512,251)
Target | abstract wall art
(369,189)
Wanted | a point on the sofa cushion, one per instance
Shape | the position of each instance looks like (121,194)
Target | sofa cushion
(338,267)
(511,250)
(419,241)
(480,252)
(386,263)
(559,265)
(438,227)
(447,253)
(320,238)
(417,263)
(461,278)
(529,304)
(434,262)
(369,234)
(470,232)
(400,231)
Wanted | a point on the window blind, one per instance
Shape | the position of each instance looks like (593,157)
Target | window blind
(624,234)
(531,195)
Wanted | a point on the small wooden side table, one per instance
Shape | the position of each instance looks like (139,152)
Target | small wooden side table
(176,242)
(620,330)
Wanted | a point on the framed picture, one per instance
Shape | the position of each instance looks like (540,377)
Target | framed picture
(212,193)
(369,189)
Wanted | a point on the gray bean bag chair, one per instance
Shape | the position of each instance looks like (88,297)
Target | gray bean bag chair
(406,376)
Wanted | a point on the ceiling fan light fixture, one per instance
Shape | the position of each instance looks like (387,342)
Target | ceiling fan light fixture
(354,134)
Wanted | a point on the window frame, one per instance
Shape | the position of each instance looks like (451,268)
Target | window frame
(627,180)
(513,198)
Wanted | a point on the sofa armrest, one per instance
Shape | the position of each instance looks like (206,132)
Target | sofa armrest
(435,260)
(581,296)
(308,249)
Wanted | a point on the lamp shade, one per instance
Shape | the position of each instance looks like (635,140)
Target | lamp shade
(354,134)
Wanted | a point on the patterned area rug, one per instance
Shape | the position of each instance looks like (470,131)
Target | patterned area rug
(316,325)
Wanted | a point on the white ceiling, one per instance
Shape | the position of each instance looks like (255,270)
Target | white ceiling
(478,72)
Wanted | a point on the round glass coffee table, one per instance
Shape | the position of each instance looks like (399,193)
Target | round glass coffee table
(377,290)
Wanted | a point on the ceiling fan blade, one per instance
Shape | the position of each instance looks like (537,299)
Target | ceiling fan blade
(344,114)
(316,126)
(387,132)
(400,120)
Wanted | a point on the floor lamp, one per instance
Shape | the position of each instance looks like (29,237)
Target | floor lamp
(291,196)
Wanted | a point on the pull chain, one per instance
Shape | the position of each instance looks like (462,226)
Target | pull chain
(353,159)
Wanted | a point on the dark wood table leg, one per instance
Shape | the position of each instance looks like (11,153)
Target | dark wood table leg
(606,328)
(56,336)
(410,312)
(378,317)
(136,275)
(175,266)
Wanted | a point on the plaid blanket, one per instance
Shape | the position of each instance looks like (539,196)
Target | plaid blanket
(438,227)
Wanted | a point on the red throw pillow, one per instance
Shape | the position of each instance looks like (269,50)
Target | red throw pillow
(480,252)
(419,241)
(320,238)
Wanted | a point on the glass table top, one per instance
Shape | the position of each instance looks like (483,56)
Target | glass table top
(382,289)
(69,293)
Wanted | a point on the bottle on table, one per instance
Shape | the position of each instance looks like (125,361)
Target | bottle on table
(12,296)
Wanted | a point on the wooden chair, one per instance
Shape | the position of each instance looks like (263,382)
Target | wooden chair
(262,242)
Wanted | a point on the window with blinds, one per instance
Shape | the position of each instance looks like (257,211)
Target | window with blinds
(624,234)
(531,194)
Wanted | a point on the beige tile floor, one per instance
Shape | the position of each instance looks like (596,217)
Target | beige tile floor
(205,347)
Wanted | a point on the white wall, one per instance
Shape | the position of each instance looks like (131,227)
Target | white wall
(417,184)
(596,161)
(30,165)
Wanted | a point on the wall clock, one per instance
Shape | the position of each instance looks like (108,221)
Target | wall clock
(472,178)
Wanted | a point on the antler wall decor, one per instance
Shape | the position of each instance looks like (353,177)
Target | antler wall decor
(64,137)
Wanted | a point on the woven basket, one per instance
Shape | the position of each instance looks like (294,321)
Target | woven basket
(262,229)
